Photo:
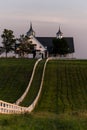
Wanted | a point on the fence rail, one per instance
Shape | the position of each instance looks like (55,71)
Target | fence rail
(8,108)
(32,106)
(28,87)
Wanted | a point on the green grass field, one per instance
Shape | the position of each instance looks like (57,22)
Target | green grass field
(35,86)
(63,101)
(42,122)
(65,87)
(14,77)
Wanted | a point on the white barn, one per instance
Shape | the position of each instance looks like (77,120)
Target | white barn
(40,49)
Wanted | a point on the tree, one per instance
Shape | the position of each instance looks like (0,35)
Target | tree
(24,46)
(60,46)
(8,40)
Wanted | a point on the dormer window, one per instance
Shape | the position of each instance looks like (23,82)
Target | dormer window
(40,46)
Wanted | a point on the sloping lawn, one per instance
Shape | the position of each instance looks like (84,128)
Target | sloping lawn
(65,87)
(35,86)
(14,77)
(63,101)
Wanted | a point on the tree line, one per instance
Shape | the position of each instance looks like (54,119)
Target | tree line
(21,45)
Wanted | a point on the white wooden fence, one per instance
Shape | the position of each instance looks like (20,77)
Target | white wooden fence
(8,108)
(28,87)
(32,106)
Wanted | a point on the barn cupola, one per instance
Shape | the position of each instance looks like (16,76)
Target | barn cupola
(59,34)
(31,32)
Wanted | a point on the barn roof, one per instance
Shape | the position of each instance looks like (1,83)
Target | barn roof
(48,42)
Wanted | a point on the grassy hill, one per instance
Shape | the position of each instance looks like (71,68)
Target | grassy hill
(63,101)
(35,85)
(14,77)
(65,87)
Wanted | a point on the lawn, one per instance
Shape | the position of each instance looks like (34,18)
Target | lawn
(35,85)
(65,87)
(42,122)
(63,101)
(14,77)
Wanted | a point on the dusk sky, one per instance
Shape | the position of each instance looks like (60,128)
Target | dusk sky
(46,17)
